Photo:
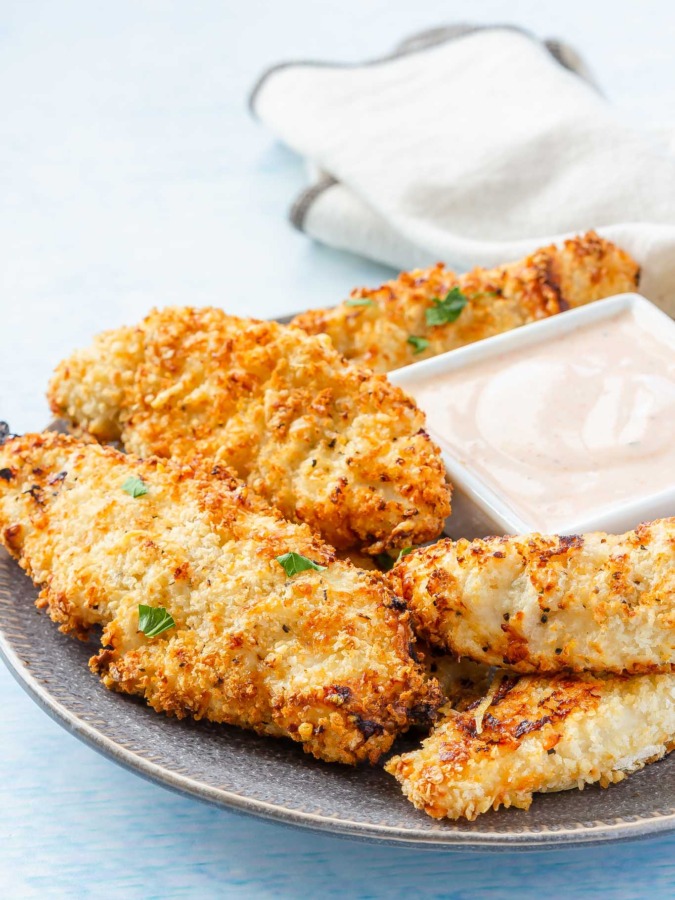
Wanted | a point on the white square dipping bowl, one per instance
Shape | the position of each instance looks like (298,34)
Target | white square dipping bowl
(478,510)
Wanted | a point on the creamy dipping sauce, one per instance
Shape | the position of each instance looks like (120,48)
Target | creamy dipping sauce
(565,428)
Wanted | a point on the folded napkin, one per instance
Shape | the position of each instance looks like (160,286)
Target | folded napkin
(473,146)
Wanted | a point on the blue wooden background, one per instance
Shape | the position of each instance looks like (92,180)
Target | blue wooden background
(131,175)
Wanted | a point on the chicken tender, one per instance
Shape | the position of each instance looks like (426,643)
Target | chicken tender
(321,655)
(325,442)
(536,604)
(461,681)
(537,735)
(387,328)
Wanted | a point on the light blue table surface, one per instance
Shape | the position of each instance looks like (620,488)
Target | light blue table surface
(132,176)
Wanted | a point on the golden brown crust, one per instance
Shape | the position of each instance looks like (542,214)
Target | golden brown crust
(538,734)
(549,281)
(323,657)
(326,442)
(535,603)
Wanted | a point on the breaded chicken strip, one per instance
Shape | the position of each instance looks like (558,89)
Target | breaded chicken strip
(322,656)
(387,328)
(325,442)
(596,602)
(539,734)
(461,681)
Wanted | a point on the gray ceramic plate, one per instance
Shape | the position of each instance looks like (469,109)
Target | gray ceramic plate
(274,779)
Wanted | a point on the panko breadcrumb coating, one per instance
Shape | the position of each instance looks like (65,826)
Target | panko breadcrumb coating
(325,442)
(461,680)
(375,327)
(322,657)
(534,603)
(537,735)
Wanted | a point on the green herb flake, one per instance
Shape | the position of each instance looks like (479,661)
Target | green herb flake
(385,562)
(153,620)
(135,486)
(448,309)
(359,301)
(419,344)
(294,563)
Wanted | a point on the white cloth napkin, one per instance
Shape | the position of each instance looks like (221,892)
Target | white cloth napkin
(472,146)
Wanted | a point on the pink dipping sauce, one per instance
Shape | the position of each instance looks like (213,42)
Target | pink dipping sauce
(564,428)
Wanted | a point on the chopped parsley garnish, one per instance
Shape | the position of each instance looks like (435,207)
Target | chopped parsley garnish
(419,344)
(387,562)
(294,563)
(359,301)
(153,620)
(135,486)
(448,309)
(384,561)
